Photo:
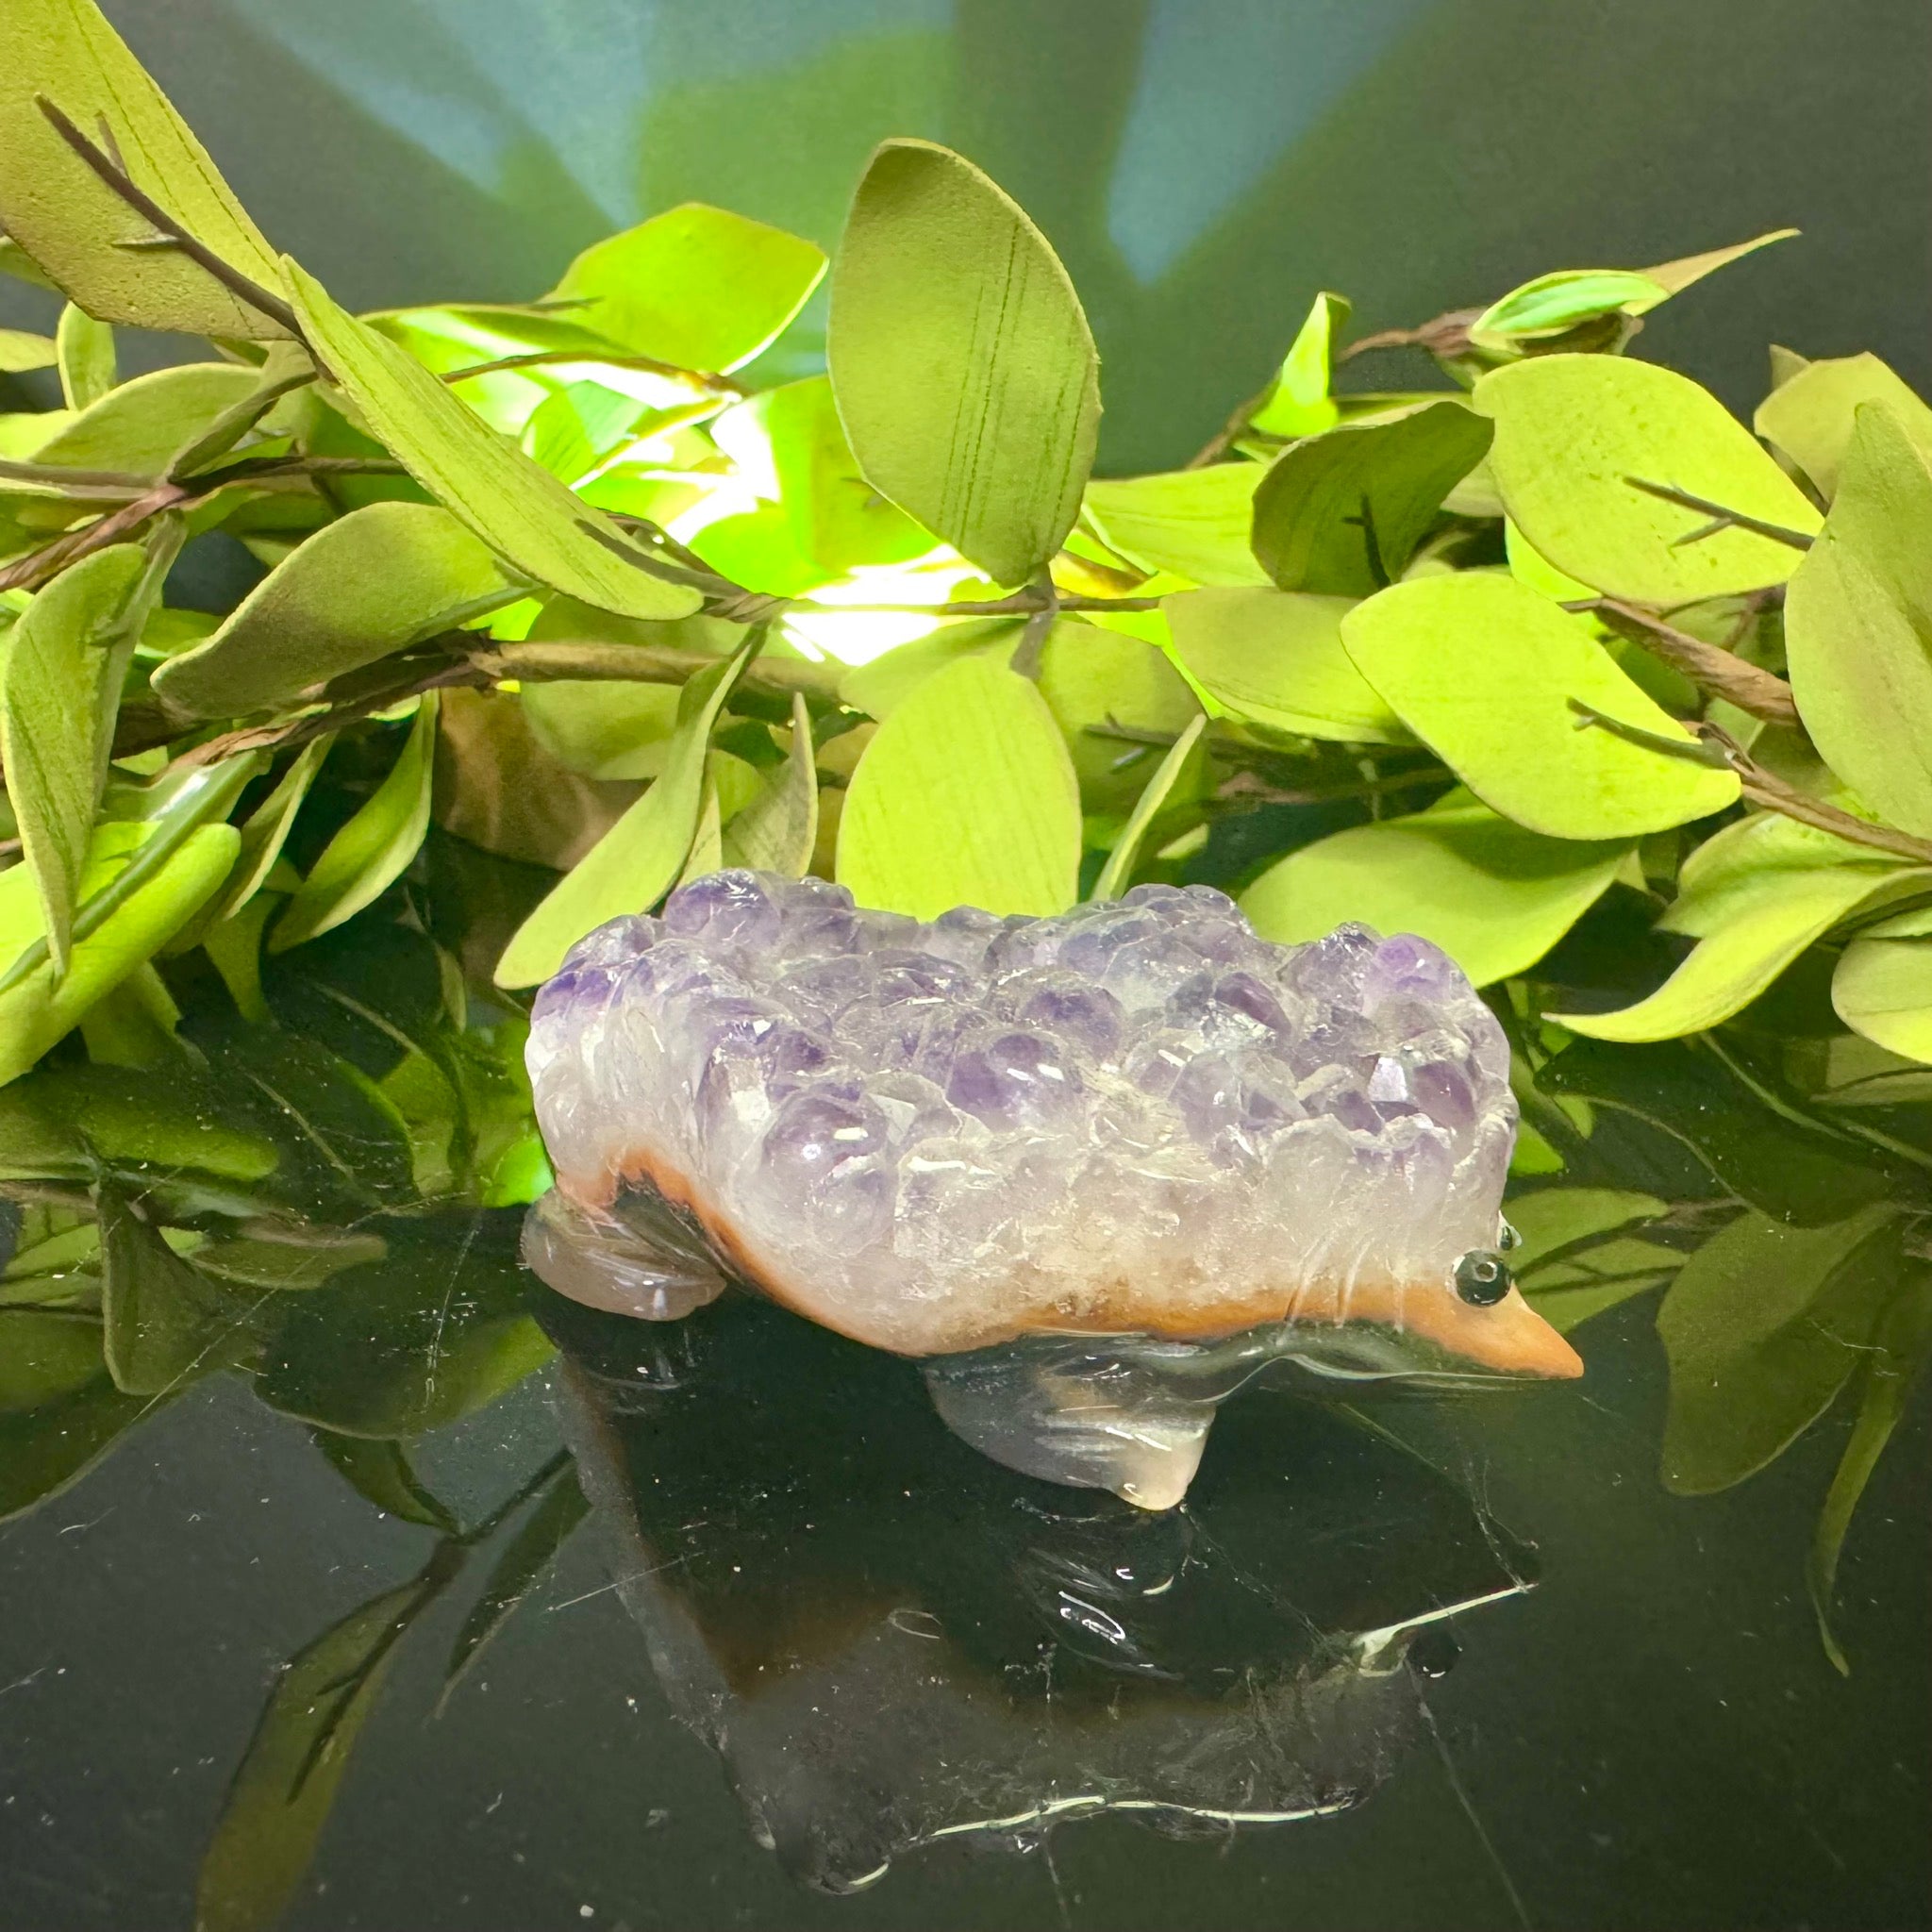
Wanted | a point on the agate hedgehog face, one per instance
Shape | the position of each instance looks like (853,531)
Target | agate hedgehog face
(1134,1119)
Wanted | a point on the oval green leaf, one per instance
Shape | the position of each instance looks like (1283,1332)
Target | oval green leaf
(966,797)
(964,370)
(1811,417)
(1485,673)
(139,428)
(1494,896)
(1194,524)
(1883,989)
(88,364)
(514,505)
(1572,431)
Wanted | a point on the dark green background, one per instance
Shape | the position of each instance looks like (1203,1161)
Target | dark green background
(1202,165)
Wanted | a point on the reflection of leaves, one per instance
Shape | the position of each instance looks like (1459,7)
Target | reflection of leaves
(430,1334)
(1885,1381)
(381,1472)
(58,1409)
(519,1570)
(1579,1253)
(1763,1327)
(163,1319)
(283,1789)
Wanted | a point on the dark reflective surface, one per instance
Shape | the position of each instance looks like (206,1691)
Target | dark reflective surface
(350,1580)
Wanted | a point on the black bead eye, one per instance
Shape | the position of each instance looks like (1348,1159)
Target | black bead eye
(1483,1278)
(1508,1239)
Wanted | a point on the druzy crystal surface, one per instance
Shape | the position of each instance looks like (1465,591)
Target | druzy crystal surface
(1133,1118)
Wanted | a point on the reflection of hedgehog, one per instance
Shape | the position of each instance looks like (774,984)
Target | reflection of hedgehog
(1133,1119)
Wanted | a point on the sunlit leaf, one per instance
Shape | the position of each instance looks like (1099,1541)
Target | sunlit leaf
(1297,402)
(380,1472)
(284,1786)
(1096,682)
(1763,1327)
(515,506)
(1811,417)
(369,584)
(1487,672)
(140,429)
(1674,277)
(371,851)
(1572,433)
(1117,873)
(778,831)
(965,797)
(59,680)
(88,240)
(639,857)
(695,287)
(1275,658)
(1858,625)
(1882,989)
(1196,523)
(1494,896)
(22,350)
(602,729)
(1554,304)
(1340,513)
(965,373)
(87,365)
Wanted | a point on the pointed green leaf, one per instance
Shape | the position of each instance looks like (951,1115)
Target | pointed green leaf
(368,584)
(1494,896)
(1485,673)
(1883,989)
(514,505)
(778,829)
(76,229)
(1579,1253)
(1571,433)
(1275,658)
(639,859)
(1117,873)
(695,287)
(1674,277)
(1340,513)
(139,428)
(1194,524)
(1858,625)
(1763,1327)
(1554,304)
(20,350)
(964,370)
(1811,417)
(59,679)
(1297,403)
(965,797)
(37,1010)
(267,830)
(88,366)
(374,849)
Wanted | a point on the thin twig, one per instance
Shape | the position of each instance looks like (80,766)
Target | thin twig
(649,365)
(31,571)
(1721,516)
(169,232)
(1710,667)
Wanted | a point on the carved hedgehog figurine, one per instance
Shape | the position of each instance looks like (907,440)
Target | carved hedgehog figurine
(1095,1169)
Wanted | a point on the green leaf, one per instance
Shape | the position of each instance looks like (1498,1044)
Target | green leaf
(1117,874)
(518,1570)
(288,1256)
(1554,304)
(1094,679)
(1485,671)
(86,239)
(1494,896)
(965,372)
(1572,431)
(1674,277)
(965,797)
(374,849)
(1297,402)
(1275,658)
(695,287)
(373,582)
(514,505)
(267,830)
(639,859)
(88,366)
(1811,417)
(59,682)
(1578,1257)
(1883,989)
(601,729)
(882,684)
(20,350)
(1763,1327)
(55,1419)
(162,1321)
(1195,524)
(1340,513)
(380,1472)
(1904,1344)
(1858,625)
(778,829)
(139,428)
(284,1786)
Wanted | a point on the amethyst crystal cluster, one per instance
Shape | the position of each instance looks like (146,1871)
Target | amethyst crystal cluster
(1133,1118)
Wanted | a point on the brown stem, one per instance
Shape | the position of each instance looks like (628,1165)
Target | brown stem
(34,569)
(169,231)
(1721,516)
(1710,667)
(1772,793)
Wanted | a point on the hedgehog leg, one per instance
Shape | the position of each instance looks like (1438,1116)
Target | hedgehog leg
(641,1258)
